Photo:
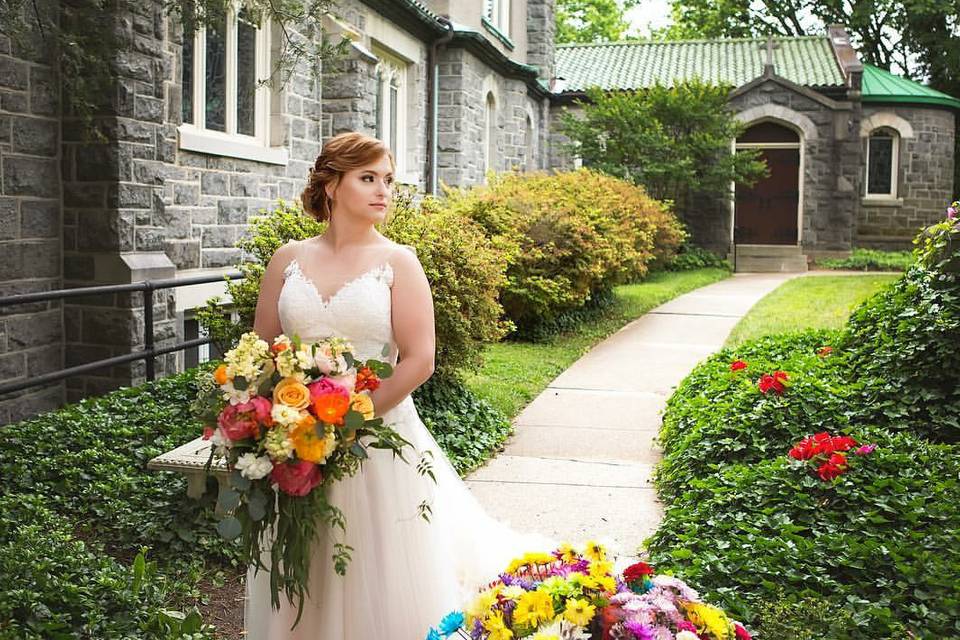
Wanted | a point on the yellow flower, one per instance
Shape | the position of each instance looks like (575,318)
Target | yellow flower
(480,606)
(310,445)
(533,608)
(567,553)
(708,618)
(600,568)
(496,628)
(595,551)
(363,403)
(530,559)
(579,612)
(512,592)
(292,393)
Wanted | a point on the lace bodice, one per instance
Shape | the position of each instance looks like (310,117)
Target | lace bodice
(359,310)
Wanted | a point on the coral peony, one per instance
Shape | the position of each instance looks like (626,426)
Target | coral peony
(297,478)
(240,421)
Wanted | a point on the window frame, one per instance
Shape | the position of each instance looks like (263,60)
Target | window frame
(392,68)
(497,13)
(194,136)
(894,137)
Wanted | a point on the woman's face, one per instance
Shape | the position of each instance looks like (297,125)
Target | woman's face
(364,193)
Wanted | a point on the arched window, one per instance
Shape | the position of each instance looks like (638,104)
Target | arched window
(390,106)
(490,135)
(883,150)
(530,139)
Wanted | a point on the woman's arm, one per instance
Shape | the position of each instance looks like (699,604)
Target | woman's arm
(413,332)
(266,321)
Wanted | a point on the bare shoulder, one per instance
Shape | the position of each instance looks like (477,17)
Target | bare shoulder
(285,253)
(406,266)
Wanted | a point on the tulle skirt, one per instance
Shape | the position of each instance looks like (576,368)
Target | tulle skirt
(405,573)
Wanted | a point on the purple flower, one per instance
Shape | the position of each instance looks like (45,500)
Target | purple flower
(477,632)
(951,213)
(866,449)
(639,630)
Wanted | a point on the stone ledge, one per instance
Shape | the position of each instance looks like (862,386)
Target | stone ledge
(190,460)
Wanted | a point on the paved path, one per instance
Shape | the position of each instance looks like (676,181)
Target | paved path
(580,462)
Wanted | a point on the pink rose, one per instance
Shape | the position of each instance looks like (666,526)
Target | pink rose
(241,421)
(686,625)
(865,450)
(348,381)
(326,385)
(742,634)
(296,478)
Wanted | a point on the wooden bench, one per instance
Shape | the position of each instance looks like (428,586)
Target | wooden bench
(189,460)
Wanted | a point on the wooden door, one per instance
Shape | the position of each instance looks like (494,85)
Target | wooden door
(766,213)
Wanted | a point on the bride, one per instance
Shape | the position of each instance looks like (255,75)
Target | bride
(351,281)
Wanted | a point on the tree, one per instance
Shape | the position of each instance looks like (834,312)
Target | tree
(919,39)
(590,21)
(674,141)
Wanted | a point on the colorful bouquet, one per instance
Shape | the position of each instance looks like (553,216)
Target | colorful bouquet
(826,456)
(569,595)
(290,419)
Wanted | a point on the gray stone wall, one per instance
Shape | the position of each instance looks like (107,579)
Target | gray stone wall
(541,36)
(831,165)
(462,119)
(30,224)
(924,184)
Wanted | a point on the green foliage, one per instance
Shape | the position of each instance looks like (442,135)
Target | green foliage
(568,237)
(905,342)
(54,586)
(588,21)
(871,260)
(691,257)
(465,274)
(466,427)
(877,545)
(674,141)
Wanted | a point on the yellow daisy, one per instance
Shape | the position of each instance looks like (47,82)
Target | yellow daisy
(496,628)
(533,608)
(595,551)
(579,612)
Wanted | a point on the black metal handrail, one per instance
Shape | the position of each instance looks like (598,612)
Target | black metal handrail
(148,353)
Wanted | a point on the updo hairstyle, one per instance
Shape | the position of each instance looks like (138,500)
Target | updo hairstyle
(340,154)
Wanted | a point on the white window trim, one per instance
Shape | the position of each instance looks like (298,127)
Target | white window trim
(531,146)
(894,169)
(393,64)
(196,137)
(499,15)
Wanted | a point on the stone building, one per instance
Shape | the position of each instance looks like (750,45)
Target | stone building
(857,155)
(194,145)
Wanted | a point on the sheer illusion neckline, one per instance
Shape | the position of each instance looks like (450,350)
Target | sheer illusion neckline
(296,269)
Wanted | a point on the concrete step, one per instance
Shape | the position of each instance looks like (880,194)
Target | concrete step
(769,258)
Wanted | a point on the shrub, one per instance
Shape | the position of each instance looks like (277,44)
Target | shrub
(878,545)
(691,257)
(464,271)
(870,260)
(567,237)
(54,587)
(905,342)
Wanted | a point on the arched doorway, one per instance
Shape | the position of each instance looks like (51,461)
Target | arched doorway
(769,211)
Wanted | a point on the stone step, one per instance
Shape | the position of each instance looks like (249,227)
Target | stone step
(783,250)
(771,264)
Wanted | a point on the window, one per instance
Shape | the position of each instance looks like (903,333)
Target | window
(390,106)
(225,110)
(882,159)
(490,134)
(498,13)
(531,144)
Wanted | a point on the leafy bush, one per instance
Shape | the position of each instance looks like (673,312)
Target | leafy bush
(568,237)
(905,342)
(466,427)
(878,545)
(464,271)
(870,260)
(692,257)
(55,587)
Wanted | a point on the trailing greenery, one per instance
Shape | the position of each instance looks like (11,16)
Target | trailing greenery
(464,270)
(568,238)
(674,141)
(870,260)
(875,547)
(788,307)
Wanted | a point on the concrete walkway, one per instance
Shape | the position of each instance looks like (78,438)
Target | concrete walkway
(580,462)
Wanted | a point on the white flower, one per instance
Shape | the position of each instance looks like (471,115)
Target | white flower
(253,467)
(278,445)
(687,635)
(325,361)
(219,443)
(282,414)
(234,395)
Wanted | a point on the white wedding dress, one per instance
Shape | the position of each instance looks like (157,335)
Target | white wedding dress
(405,573)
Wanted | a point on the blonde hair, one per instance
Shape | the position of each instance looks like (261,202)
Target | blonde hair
(340,154)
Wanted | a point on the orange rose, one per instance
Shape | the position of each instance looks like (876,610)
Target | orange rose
(220,375)
(331,407)
(362,403)
(292,393)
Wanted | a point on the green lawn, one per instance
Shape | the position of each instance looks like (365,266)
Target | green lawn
(515,372)
(810,302)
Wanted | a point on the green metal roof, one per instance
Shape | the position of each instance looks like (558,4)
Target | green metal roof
(880,85)
(805,60)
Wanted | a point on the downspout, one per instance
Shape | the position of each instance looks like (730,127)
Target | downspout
(433,104)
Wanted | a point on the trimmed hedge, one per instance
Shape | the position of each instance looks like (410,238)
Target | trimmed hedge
(870,260)
(568,237)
